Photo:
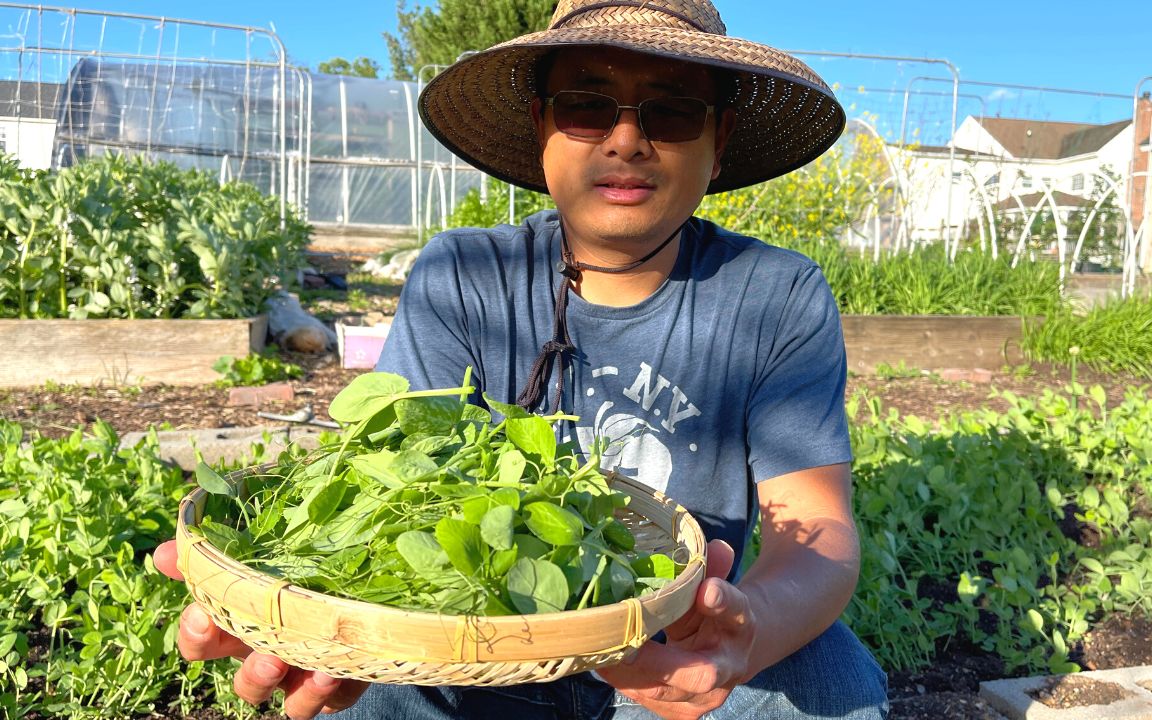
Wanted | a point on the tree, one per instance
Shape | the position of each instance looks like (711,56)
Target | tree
(360,67)
(437,36)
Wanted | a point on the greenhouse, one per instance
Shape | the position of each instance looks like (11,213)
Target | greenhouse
(346,150)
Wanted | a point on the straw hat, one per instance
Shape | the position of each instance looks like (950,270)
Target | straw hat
(786,115)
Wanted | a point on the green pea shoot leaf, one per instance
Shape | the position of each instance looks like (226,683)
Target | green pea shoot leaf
(553,524)
(365,396)
(422,552)
(461,542)
(537,586)
(497,527)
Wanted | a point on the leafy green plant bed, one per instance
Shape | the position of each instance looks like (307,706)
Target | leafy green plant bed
(259,368)
(126,238)
(1001,537)
(87,625)
(1013,532)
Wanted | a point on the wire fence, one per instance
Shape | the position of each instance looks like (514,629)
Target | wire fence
(1037,173)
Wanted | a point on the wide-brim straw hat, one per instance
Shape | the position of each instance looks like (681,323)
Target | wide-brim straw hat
(786,116)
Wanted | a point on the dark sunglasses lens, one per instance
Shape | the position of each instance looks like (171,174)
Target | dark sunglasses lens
(673,119)
(583,114)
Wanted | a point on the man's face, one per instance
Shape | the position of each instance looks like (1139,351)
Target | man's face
(625,187)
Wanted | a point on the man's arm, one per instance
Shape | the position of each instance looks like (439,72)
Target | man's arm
(797,587)
(809,559)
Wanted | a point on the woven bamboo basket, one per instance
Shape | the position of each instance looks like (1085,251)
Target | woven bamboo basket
(364,641)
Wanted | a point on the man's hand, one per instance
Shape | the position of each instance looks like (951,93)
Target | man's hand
(306,693)
(707,654)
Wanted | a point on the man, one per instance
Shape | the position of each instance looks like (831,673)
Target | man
(712,362)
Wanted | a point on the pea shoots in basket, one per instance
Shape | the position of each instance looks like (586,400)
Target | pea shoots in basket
(426,504)
(429,545)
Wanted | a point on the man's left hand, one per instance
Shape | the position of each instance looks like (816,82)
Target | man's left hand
(706,655)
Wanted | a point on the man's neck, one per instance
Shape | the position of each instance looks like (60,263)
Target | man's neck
(631,286)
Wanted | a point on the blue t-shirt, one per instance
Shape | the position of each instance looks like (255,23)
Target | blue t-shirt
(731,373)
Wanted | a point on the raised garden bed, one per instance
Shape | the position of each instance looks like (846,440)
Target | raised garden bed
(931,342)
(122,352)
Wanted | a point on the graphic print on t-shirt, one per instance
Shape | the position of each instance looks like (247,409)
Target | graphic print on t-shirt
(636,422)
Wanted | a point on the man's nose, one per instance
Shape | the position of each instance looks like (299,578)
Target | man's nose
(627,132)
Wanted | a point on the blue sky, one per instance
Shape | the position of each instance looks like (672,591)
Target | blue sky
(1099,47)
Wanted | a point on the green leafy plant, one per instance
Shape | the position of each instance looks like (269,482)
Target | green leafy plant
(255,369)
(87,624)
(425,504)
(472,211)
(900,370)
(125,238)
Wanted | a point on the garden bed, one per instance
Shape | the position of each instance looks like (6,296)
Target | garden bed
(945,690)
(931,342)
(122,352)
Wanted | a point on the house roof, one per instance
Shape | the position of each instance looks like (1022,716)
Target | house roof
(1031,200)
(943,150)
(1049,140)
(31,100)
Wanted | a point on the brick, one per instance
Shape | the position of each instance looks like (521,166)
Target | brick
(258,395)
(979,376)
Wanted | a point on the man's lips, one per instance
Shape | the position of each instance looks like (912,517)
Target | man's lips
(624,190)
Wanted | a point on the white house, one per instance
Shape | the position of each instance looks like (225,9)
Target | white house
(1015,165)
(28,112)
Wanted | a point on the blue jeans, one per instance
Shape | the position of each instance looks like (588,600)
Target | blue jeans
(834,676)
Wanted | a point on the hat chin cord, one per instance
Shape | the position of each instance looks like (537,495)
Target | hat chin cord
(555,352)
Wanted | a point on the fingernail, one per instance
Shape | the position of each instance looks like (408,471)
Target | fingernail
(269,671)
(713,597)
(324,681)
(197,622)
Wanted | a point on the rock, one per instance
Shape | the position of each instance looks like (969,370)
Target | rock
(397,267)
(294,329)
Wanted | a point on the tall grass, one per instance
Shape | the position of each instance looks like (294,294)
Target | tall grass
(925,283)
(1111,338)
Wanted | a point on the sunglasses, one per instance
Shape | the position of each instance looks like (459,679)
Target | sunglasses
(592,116)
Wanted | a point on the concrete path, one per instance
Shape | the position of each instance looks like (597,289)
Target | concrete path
(1012,698)
(226,445)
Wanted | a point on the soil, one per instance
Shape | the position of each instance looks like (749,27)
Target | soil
(1069,691)
(945,691)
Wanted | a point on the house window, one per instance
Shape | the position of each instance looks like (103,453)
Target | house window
(992,180)
(1026,182)
(3,140)
(1078,182)
(1046,181)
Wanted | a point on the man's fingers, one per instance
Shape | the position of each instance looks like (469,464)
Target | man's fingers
(657,665)
(720,559)
(259,676)
(310,693)
(165,559)
(201,639)
(724,603)
(346,695)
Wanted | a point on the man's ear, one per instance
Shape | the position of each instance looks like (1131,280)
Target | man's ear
(723,132)
(537,110)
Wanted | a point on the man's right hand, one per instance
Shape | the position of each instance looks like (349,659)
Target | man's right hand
(306,693)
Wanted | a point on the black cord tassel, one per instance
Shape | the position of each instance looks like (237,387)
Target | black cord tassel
(555,352)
